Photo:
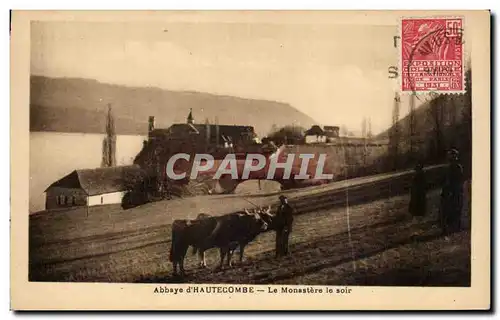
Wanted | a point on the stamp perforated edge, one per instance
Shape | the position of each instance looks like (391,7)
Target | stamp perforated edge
(465,56)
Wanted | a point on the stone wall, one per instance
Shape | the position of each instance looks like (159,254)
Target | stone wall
(347,159)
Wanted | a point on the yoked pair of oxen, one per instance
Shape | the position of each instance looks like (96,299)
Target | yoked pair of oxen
(226,232)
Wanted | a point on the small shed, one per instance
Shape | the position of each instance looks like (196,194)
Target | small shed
(91,187)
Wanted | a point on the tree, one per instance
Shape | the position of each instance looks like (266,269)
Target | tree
(411,124)
(466,124)
(436,112)
(137,185)
(369,134)
(274,129)
(109,142)
(343,130)
(134,180)
(467,109)
(207,131)
(364,128)
(288,135)
(364,134)
(217,132)
(394,133)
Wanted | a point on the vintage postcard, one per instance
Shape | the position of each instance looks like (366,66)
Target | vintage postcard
(250,160)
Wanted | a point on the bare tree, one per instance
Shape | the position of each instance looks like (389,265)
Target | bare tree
(207,131)
(466,124)
(217,133)
(288,134)
(394,133)
(436,112)
(364,128)
(274,129)
(369,134)
(343,130)
(411,125)
(467,110)
(364,134)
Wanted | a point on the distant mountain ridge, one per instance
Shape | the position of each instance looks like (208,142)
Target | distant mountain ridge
(80,105)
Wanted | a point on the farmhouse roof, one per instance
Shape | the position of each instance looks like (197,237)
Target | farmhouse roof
(99,180)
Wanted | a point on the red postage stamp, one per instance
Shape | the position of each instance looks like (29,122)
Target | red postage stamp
(432,55)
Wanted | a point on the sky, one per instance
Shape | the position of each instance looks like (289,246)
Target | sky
(336,74)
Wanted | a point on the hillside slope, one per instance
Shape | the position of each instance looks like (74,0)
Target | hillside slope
(79,105)
(440,123)
(447,110)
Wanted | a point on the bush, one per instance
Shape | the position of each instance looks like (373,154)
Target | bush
(288,135)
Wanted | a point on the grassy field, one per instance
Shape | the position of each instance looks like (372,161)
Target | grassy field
(386,247)
(381,244)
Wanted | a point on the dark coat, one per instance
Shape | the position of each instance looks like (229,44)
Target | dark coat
(451,193)
(284,218)
(283,226)
(418,201)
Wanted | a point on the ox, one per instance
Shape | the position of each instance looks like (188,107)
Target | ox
(223,232)
(264,214)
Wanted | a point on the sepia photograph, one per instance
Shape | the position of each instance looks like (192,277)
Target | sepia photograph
(236,152)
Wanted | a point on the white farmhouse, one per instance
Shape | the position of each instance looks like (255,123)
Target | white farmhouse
(90,187)
(316,134)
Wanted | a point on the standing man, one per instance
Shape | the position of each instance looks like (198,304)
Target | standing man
(283,226)
(452,194)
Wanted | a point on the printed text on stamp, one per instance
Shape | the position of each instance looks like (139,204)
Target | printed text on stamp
(432,55)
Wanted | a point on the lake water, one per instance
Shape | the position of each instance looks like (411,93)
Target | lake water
(54,155)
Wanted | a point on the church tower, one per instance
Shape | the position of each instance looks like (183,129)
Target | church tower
(190,118)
